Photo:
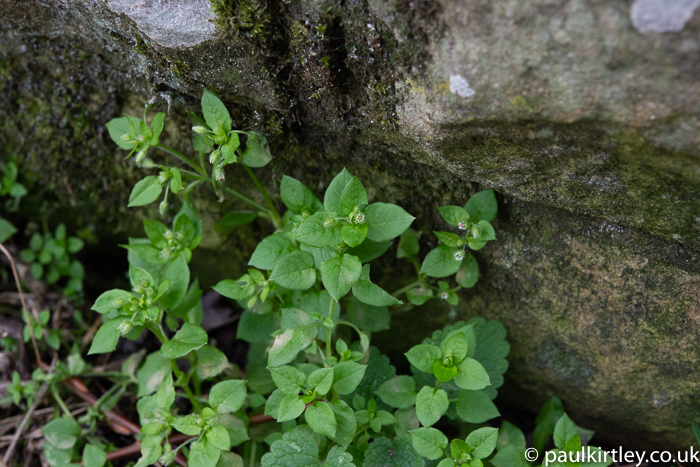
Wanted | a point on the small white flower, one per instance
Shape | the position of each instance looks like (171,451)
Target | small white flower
(458,256)
(444,295)
(462,225)
(359,218)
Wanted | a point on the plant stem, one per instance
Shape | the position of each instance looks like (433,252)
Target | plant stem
(181,157)
(406,288)
(348,323)
(253,453)
(59,401)
(246,199)
(263,191)
(328,331)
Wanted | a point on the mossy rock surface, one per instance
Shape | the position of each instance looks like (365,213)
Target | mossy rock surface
(582,116)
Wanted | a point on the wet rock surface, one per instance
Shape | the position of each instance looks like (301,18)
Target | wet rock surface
(583,116)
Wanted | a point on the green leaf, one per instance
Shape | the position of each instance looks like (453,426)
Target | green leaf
(203,454)
(147,252)
(240,289)
(367,317)
(285,348)
(215,113)
(449,239)
(347,376)
(353,235)
(441,262)
(94,456)
(257,151)
(422,356)
(483,441)
(237,431)
(231,220)
(487,232)
(210,362)
(337,457)
(107,336)
(398,392)
(312,231)
(178,273)
(74,244)
(190,337)
(290,408)
(475,407)
(331,199)
(145,191)
(150,450)
(408,244)
(187,425)
(228,396)
(386,221)
(321,419)
(270,250)
(369,250)
(429,442)
(321,380)
(339,274)
(509,435)
(288,379)
(105,302)
(120,126)
(352,194)
(347,423)
(511,456)
(176,181)
(468,273)
(371,294)
(431,404)
(444,373)
(455,346)
(297,196)
(471,375)
(546,421)
(419,295)
(61,432)
(295,449)
(228,149)
(157,127)
(295,271)
(218,437)
(6,230)
(563,431)
(399,452)
(453,215)
(482,206)
(152,374)
(256,328)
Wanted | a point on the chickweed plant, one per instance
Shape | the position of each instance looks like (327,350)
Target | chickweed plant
(315,391)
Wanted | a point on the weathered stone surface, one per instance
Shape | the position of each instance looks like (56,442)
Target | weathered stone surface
(582,115)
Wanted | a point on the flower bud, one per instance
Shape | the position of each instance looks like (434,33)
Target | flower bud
(462,225)
(140,155)
(126,137)
(119,302)
(476,230)
(163,207)
(145,283)
(167,458)
(220,139)
(219,174)
(329,223)
(148,415)
(199,129)
(447,361)
(214,156)
(444,295)
(125,327)
(360,218)
(164,176)
(459,255)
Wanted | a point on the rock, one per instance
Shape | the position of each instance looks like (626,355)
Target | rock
(583,116)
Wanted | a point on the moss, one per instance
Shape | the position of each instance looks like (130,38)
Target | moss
(250,17)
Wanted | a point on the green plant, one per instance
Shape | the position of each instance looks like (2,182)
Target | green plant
(310,306)
(9,186)
(50,256)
